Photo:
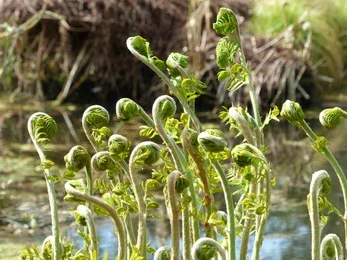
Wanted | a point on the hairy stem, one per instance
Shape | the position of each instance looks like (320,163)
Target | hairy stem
(337,168)
(50,188)
(231,234)
(174,214)
(87,214)
(315,188)
(203,177)
(167,81)
(113,214)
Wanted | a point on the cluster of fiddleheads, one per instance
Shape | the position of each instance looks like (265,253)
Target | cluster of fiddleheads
(190,165)
(329,118)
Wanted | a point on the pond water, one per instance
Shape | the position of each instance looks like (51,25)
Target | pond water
(23,197)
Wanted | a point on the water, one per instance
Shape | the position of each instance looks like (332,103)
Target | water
(23,193)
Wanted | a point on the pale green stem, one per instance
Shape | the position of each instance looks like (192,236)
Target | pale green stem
(87,214)
(139,196)
(180,165)
(262,223)
(338,170)
(315,188)
(253,96)
(231,234)
(51,194)
(122,247)
(167,81)
(247,229)
(203,177)
(129,226)
(89,178)
(146,117)
(206,240)
(54,216)
(186,233)
(174,214)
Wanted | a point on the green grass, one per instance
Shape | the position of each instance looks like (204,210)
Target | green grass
(325,19)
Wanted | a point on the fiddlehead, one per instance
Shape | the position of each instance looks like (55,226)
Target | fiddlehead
(320,145)
(145,153)
(246,154)
(162,253)
(119,146)
(127,109)
(320,185)
(331,248)
(41,127)
(77,159)
(84,217)
(205,249)
(212,142)
(292,111)
(242,121)
(102,161)
(331,117)
(94,121)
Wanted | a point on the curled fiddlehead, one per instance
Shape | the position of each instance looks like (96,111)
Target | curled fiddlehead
(94,121)
(85,216)
(119,146)
(331,248)
(145,153)
(127,109)
(292,111)
(102,161)
(162,253)
(41,127)
(320,185)
(77,159)
(246,154)
(331,117)
(212,140)
(242,121)
(205,248)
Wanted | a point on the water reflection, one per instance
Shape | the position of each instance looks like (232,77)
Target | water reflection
(23,194)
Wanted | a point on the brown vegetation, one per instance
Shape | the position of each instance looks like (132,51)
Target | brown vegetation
(79,45)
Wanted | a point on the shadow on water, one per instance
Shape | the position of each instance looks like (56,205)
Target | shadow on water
(23,197)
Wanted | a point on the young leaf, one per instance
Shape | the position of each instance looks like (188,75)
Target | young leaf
(225,51)
(226,22)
